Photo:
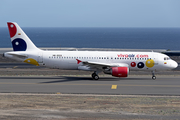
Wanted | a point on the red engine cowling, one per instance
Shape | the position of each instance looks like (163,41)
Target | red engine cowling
(120,71)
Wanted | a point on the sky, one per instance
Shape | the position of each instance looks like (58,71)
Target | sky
(91,13)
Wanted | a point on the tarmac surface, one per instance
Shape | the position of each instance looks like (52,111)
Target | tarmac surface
(133,85)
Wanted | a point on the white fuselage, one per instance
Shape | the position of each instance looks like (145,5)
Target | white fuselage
(68,59)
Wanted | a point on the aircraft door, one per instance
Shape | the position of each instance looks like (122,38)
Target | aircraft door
(155,59)
(40,57)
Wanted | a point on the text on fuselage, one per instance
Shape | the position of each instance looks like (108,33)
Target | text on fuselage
(133,55)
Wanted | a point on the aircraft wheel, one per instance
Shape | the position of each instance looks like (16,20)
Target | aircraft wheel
(95,76)
(153,77)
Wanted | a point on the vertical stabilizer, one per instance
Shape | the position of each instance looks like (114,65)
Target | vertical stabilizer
(20,41)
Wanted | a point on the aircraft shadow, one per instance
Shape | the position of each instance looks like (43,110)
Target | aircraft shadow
(61,79)
(70,79)
(30,77)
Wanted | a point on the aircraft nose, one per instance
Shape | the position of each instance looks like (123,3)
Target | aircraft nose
(174,64)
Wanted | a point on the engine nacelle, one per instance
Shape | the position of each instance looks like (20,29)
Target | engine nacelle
(118,71)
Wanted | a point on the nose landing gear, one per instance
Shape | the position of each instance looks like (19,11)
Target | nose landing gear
(153,75)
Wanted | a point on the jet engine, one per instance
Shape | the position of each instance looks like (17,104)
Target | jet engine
(117,71)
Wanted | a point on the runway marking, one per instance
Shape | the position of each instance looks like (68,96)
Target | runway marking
(114,87)
(128,85)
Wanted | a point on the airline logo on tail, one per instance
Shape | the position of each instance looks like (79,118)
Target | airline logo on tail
(17,42)
(20,41)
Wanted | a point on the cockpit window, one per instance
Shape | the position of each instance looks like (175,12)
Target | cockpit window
(167,58)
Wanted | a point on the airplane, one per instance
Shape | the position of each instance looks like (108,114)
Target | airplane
(115,63)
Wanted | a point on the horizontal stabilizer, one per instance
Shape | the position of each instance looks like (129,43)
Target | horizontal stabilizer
(23,56)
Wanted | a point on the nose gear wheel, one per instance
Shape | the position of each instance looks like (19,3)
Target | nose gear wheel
(153,75)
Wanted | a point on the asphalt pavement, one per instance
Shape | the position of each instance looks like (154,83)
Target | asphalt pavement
(133,85)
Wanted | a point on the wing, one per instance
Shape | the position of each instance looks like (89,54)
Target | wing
(99,65)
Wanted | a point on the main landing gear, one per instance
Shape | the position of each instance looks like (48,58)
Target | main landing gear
(153,75)
(95,76)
